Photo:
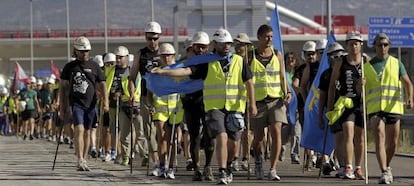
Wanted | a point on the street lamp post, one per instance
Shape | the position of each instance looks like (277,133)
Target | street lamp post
(31,37)
(68,30)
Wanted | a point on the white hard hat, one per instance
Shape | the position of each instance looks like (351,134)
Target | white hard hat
(82,43)
(309,46)
(99,60)
(121,51)
(354,35)
(4,91)
(130,60)
(109,57)
(51,81)
(334,47)
(39,82)
(153,27)
(32,79)
(321,44)
(222,36)
(166,48)
(201,38)
(52,76)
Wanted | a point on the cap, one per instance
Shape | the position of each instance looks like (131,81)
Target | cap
(321,44)
(153,27)
(99,60)
(121,51)
(166,48)
(309,46)
(381,36)
(243,38)
(201,38)
(82,43)
(109,57)
(354,35)
(222,36)
(334,47)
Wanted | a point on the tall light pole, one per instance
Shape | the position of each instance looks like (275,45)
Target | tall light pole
(225,14)
(31,38)
(152,10)
(328,18)
(106,26)
(68,30)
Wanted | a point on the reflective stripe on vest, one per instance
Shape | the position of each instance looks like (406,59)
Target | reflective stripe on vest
(109,75)
(384,94)
(266,79)
(167,103)
(225,92)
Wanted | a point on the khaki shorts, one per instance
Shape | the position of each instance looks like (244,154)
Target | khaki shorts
(268,113)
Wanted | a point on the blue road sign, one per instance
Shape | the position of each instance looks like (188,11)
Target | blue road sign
(399,30)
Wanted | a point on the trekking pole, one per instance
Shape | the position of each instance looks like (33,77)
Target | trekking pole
(57,146)
(248,141)
(149,137)
(172,138)
(99,129)
(364,120)
(323,148)
(116,127)
(131,145)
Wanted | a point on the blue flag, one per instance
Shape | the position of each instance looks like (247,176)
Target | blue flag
(162,85)
(312,135)
(278,44)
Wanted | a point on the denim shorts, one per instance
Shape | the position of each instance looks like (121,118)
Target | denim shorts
(85,116)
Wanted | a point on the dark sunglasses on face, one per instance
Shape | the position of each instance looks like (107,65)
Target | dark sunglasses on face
(152,38)
(383,45)
(337,56)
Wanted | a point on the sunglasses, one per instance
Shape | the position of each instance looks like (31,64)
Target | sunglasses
(336,57)
(383,45)
(152,38)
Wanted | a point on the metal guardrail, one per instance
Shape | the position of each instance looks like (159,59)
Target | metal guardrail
(407,121)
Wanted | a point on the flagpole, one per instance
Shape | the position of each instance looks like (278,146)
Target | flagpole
(31,37)
(364,121)
(225,14)
(68,30)
(106,25)
(328,18)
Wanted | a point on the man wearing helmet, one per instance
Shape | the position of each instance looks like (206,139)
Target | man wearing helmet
(29,96)
(80,79)
(227,86)
(146,59)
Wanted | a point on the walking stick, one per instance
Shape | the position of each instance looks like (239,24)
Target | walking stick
(364,118)
(131,145)
(116,126)
(172,138)
(99,128)
(149,136)
(57,146)
(323,148)
(248,141)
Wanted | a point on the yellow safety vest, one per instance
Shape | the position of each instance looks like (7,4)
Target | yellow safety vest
(266,79)
(109,75)
(166,107)
(340,105)
(12,109)
(384,93)
(225,92)
(3,100)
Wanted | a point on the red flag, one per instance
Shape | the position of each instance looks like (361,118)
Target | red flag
(54,70)
(20,74)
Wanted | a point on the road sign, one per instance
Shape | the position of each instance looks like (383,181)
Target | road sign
(399,30)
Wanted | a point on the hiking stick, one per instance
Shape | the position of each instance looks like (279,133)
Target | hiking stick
(323,148)
(172,138)
(58,143)
(116,126)
(364,120)
(131,144)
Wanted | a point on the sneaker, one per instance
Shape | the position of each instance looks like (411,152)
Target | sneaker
(144,161)
(31,137)
(163,172)
(235,166)
(222,178)
(385,178)
(197,176)
(71,145)
(25,137)
(259,170)
(82,166)
(155,171)
(125,161)
(295,159)
(107,157)
(113,155)
(349,173)
(273,175)
(66,140)
(189,165)
(326,168)
(94,153)
(170,174)
(245,165)
(49,138)
(229,177)
(359,175)
(208,174)
(390,174)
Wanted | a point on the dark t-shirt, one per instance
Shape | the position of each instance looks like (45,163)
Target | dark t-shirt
(82,77)
(348,78)
(45,97)
(313,71)
(325,79)
(299,71)
(200,71)
(148,60)
(116,86)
